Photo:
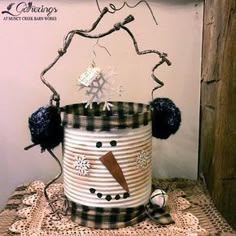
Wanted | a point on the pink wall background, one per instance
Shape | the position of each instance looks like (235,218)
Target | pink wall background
(27,47)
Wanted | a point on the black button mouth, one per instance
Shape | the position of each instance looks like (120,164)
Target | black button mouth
(109,197)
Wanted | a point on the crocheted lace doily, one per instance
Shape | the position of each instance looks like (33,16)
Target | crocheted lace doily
(36,217)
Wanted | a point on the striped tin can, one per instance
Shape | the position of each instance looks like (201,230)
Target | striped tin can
(107,162)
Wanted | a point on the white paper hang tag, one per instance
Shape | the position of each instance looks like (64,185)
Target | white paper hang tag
(89,75)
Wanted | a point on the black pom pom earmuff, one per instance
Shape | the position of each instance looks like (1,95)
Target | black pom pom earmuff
(45,127)
(46,130)
(166,118)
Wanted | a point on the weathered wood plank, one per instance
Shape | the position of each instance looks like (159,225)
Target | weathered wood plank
(207,144)
(225,202)
(218,105)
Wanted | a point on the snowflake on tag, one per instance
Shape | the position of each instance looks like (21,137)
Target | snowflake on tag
(101,89)
(81,165)
(142,160)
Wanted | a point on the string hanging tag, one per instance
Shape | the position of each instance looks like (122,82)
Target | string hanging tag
(89,76)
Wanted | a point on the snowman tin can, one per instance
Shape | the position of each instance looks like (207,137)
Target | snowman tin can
(107,163)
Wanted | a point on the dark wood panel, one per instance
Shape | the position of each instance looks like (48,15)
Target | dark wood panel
(224,201)
(218,105)
(207,145)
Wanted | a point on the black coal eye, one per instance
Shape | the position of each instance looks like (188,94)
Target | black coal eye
(113,143)
(99,144)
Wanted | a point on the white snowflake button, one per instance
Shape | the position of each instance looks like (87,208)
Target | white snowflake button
(142,160)
(82,165)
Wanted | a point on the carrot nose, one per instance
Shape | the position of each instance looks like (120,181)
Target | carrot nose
(109,161)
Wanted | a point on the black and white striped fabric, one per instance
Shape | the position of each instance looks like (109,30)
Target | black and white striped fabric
(121,115)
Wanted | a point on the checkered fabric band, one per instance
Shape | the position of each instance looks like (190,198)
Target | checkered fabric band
(158,215)
(121,115)
(113,218)
(105,218)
